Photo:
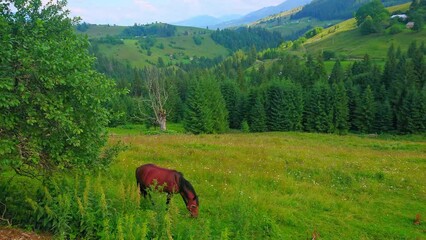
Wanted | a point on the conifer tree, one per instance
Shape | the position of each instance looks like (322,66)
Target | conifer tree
(340,108)
(337,74)
(365,112)
(318,109)
(256,115)
(383,119)
(205,110)
(390,67)
(284,106)
(231,95)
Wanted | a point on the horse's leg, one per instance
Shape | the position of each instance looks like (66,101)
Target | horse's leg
(142,189)
(169,197)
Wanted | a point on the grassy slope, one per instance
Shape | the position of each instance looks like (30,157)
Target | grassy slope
(347,41)
(288,184)
(181,47)
(98,31)
(288,27)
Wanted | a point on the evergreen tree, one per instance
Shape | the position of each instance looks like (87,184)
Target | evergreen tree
(318,109)
(390,67)
(419,68)
(365,112)
(205,110)
(383,120)
(197,116)
(256,114)
(218,105)
(231,95)
(413,113)
(319,71)
(412,49)
(340,108)
(284,106)
(354,94)
(337,74)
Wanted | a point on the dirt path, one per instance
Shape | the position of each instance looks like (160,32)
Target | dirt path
(18,234)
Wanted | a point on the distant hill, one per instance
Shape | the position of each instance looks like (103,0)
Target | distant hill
(346,41)
(262,13)
(205,21)
(289,28)
(336,9)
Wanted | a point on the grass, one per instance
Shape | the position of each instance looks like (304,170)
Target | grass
(180,48)
(345,187)
(99,31)
(250,186)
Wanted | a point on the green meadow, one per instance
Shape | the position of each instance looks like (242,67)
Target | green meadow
(251,186)
(288,185)
(176,49)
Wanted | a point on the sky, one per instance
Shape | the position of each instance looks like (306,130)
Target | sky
(128,12)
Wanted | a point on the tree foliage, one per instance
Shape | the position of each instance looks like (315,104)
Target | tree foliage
(52,101)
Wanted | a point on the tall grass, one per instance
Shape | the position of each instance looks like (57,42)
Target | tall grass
(251,186)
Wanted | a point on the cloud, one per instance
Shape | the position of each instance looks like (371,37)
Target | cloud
(145,5)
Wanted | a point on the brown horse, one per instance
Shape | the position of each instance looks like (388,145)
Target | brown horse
(173,182)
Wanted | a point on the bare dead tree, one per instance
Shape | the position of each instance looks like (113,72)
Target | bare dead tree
(157,97)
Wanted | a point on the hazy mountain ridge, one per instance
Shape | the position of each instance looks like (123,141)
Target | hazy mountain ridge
(203,21)
(214,23)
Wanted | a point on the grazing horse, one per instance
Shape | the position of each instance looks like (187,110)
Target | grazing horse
(173,182)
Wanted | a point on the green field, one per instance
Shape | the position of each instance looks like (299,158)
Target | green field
(253,186)
(99,31)
(286,185)
(178,49)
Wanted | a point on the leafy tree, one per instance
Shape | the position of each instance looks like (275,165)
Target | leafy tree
(368,26)
(371,16)
(375,9)
(52,101)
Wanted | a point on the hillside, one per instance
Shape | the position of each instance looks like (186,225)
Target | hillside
(347,42)
(336,9)
(178,49)
(98,31)
(262,13)
(290,29)
(186,44)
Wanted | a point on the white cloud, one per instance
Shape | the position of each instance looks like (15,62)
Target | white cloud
(145,5)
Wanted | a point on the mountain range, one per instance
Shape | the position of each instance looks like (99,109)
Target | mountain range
(203,21)
(214,23)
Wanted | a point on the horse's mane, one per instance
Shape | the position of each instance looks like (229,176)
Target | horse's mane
(184,184)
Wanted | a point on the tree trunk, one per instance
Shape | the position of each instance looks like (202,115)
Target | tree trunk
(162,120)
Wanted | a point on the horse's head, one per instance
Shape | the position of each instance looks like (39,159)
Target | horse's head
(192,206)
(189,196)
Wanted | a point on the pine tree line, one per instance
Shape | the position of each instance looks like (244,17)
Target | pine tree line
(292,94)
